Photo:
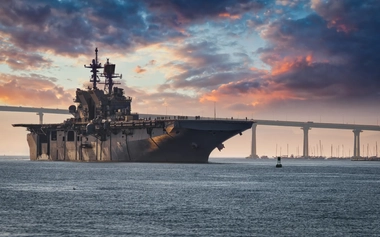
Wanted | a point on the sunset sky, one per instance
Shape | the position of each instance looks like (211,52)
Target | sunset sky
(280,60)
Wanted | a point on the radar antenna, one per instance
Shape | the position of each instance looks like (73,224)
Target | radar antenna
(109,74)
(94,66)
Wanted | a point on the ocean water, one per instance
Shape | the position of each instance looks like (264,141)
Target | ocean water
(228,197)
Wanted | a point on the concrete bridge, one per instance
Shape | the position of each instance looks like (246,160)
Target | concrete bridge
(39,111)
(305,126)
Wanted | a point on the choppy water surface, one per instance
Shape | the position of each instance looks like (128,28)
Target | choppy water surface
(229,197)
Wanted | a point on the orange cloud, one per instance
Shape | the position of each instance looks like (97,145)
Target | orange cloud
(290,62)
(254,98)
(33,90)
(212,96)
(228,15)
(139,69)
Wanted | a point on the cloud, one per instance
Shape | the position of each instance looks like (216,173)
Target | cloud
(183,12)
(201,67)
(347,16)
(23,14)
(33,90)
(314,59)
(139,69)
(311,60)
(17,59)
(317,51)
(76,27)
(72,28)
(255,93)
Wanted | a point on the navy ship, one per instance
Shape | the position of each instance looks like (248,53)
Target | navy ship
(104,129)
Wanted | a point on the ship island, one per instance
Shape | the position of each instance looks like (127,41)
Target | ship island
(104,129)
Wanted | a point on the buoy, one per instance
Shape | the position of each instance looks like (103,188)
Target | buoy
(279,165)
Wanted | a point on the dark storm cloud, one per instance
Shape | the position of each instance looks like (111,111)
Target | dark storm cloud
(200,10)
(349,15)
(244,86)
(15,12)
(74,27)
(342,43)
(36,25)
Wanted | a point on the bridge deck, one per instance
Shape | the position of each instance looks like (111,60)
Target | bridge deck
(308,124)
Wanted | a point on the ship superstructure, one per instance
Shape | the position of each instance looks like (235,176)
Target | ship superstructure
(104,129)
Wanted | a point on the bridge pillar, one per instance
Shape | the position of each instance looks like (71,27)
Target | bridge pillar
(356,143)
(41,115)
(253,143)
(305,141)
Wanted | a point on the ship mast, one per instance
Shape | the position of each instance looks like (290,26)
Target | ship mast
(109,74)
(94,66)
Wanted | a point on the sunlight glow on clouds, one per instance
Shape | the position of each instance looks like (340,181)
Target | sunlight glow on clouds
(36,90)
(205,50)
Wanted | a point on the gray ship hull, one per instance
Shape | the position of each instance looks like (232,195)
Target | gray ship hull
(179,141)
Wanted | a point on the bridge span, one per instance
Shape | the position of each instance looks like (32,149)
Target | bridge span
(39,111)
(305,126)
